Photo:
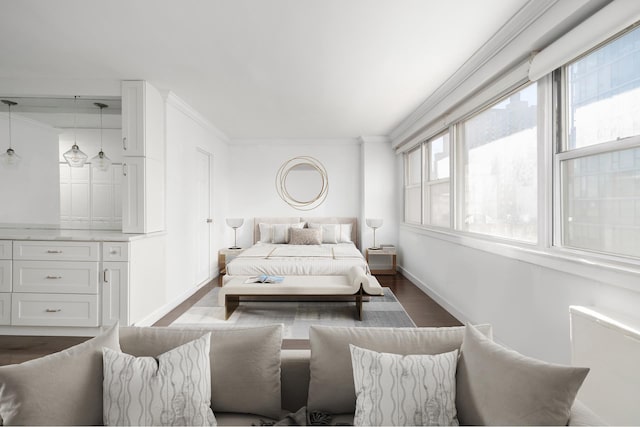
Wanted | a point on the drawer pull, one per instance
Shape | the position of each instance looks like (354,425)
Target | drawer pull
(53,252)
(53,310)
(54,277)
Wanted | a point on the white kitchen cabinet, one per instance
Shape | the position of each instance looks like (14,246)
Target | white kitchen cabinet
(6,250)
(142,120)
(142,195)
(115,293)
(5,275)
(54,310)
(67,277)
(5,308)
(56,251)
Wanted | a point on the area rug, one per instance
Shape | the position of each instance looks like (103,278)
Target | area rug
(383,311)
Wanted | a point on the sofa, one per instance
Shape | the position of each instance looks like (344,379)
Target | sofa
(255,382)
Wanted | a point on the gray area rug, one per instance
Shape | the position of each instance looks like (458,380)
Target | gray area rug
(297,316)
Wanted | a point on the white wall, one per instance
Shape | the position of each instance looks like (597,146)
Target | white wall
(30,193)
(186,132)
(252,177)
(379,196)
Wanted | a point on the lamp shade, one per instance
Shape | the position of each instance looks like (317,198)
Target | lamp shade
(235,222)
(374,222)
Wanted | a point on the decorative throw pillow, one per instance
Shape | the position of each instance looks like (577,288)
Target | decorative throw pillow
(174,389)
(305,236)
(498,386)
(331,387)
(397,390)
(63,388)
(277,233)
(330,232)
(245,362)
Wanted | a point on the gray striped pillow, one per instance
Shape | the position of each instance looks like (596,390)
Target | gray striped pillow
(396,390)
(174,389)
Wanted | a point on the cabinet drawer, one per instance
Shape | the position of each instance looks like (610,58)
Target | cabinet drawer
(5,276)
(115,251)
(55,277)
(5,249)
(54,310)
(49,251)
(5,309)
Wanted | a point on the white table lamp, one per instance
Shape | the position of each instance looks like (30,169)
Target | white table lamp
(235,223)
(374,223)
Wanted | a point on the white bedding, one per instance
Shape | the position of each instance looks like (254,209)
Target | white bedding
(298,260)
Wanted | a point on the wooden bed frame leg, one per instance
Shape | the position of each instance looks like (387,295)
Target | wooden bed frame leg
(231,302)
(359,304)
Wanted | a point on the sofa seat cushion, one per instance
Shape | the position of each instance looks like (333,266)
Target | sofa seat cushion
(63,388)
(331,387)
(245,363)
(498,386)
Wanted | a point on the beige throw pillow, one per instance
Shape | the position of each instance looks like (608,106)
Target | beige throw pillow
(63,388)
(305,236)
(172,389)
(498,386)
(398,390)
(331,387)
(245,363)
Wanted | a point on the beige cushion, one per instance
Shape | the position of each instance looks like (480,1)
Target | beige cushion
(63,388)
(397,390)
(305,236)
(173,388)
(498,386)
(331,386)
(245,363)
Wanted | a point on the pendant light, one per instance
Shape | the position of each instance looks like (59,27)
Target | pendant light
(75,157)
(101,161)
(10,158)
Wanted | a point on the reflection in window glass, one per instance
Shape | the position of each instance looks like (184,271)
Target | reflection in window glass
(413,174)
(604,93)
(439,158)
(601,202)
(499,149)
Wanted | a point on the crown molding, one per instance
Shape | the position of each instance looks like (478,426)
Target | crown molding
(177,102)
(294,141)
(373,139)
(523,19)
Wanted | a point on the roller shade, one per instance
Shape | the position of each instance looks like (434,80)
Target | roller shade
(600,27)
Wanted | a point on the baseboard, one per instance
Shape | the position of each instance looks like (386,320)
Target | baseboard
(436,296)
(166,309)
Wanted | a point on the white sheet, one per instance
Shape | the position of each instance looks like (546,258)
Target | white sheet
(298,260)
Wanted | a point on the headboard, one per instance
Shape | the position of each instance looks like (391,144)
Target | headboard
(294,219)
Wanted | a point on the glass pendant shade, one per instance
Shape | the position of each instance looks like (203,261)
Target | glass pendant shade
(10,158)
(75,157)
(101,162)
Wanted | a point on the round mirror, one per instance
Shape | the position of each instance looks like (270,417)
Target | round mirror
(302,183)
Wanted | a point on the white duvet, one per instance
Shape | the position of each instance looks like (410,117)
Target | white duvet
(298,260)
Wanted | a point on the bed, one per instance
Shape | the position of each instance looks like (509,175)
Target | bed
(283,259)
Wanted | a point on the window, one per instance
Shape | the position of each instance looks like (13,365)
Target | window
(499,164)
(413,174)
(436,182)
(599,161)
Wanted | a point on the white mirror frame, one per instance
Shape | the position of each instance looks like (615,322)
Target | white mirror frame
(281,183)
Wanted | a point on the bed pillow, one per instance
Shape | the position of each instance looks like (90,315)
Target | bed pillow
(331,387)
(245,362)
(277,233)
(498,386)
(172,389)
(396,390)
(305,236)
(63,388)
(334,233)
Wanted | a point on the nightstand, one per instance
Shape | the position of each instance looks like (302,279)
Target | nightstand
(375,254)
(224,256)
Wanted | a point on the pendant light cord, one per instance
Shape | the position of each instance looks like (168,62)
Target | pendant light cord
(75,120)
(10,146)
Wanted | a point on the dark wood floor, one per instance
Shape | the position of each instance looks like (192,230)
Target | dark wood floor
(423,310)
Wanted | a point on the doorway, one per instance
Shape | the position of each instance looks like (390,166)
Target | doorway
(204,212)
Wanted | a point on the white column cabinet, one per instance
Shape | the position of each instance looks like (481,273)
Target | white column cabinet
(143,143)
(5,282)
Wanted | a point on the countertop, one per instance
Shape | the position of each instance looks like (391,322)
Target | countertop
(35,233)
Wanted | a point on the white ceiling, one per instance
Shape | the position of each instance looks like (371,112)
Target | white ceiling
(259,68)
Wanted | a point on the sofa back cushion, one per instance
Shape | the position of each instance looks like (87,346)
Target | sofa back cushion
(245,363)
(331,387)
(63,388)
